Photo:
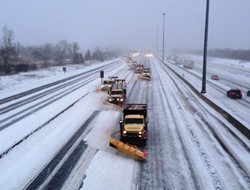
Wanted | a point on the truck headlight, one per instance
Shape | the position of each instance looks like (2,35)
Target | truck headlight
(124,132)
(121,99)
(140,133)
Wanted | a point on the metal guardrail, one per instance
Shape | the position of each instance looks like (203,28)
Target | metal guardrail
(237,124)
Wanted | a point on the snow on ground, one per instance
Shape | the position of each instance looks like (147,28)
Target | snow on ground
(119,167)
(34,77)
(109,171)
(18,130)
(221,61)
(232,73)
(107,160)
(14,84)
(25,167)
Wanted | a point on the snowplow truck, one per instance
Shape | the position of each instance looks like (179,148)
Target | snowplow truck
(117,96)
(145,74)
(107,85)
(139,68)
(120,84)
(133,124)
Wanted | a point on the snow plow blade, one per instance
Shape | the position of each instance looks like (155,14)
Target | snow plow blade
(144,78)
(128,149)
(119,106)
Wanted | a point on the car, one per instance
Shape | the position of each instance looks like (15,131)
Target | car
(248,93)
(234,93)
(215,77)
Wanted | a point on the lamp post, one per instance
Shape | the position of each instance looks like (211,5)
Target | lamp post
(157,42)
(203,90)
(163,36)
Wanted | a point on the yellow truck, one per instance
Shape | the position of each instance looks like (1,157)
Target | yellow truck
(133,125)
(146,74)
(107,85)
(117,93)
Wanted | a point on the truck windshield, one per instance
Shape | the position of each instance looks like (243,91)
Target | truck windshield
(107,82)
(116,92)
(133,121)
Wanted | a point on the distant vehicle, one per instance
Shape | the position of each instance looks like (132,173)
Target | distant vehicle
(234,94)
(139,68)
(177,60)
(189,64)
(248,93)
(215,77)
(145,74)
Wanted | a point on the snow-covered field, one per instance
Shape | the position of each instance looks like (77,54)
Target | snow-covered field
(185,152)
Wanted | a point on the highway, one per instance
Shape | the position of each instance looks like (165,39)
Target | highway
(190,144)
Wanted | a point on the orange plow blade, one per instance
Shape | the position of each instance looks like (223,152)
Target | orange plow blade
(128,149)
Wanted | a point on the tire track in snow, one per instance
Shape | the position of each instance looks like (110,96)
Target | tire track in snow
(4,153)
(202,115)
(40,180)
(153,171)
(217,181)
(165,94)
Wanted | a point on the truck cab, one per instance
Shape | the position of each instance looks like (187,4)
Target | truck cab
(146,74)
(107,85)
(139,68)
(134,124)
(116,96)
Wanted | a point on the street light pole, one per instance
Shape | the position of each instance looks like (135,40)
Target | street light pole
(163,36)
(203,90)
(157,42)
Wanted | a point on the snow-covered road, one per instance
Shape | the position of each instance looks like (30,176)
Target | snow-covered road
(190,145)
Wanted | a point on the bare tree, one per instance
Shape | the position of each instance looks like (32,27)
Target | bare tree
(61,50)
(75,48)
(87,55)
(16,53)
(75,56)
(46,53)
(37,53)
(7,48)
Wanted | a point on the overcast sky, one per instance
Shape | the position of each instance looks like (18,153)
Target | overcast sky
(128,23)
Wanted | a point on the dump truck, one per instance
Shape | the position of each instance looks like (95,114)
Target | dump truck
(120,84)
(145,74)
(117,96)
(107,85)
(138,68)
(133,125)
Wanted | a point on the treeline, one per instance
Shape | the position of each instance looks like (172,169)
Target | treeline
(15,57)
(243,55)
